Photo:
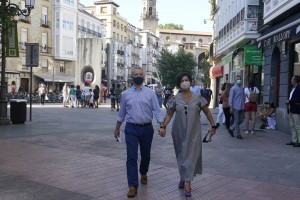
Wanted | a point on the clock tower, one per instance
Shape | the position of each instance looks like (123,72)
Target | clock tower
(149,16)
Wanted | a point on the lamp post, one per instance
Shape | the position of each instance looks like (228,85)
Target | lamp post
(7,14)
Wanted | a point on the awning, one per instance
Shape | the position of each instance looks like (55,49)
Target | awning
(227,58)
(216,71)
(55,78)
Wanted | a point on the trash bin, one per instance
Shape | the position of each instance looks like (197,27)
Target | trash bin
(18,111)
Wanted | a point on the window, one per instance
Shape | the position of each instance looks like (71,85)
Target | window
(114,11)
(44,15)
(252,11)
(297,59)
(168,38)
(68,45)
(64,24)
(114,35)
(114,23)
(200,40)
(45,65)
(183,39)
(122,27)
(103,10)
(62,68)
(243,14)
(118,25)
(23,38)
(150,11)
(104,21)
(44,42)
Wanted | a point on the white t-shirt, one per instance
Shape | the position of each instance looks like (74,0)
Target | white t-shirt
(248,91)
(86,90)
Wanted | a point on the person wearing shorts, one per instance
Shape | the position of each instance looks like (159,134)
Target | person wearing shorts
(250,107)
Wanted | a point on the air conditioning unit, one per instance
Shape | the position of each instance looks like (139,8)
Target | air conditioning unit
(23,45)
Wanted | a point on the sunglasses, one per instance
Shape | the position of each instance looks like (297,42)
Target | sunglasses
(186,110)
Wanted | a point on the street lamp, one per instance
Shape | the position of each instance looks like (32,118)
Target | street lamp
(7,14)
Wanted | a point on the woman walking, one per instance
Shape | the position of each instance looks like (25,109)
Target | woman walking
(226,108)
(186,130)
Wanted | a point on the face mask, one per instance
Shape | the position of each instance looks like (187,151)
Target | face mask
(138,80)
(238,82)
(185,85)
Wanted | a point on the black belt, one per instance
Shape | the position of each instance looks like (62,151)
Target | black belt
(139,125)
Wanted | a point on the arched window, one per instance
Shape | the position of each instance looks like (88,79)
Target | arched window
(168,38)
(183,39)
(200,40)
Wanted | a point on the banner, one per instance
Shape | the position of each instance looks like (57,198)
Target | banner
(253,56)
(12,46)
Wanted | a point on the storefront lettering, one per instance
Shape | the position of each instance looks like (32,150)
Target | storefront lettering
(277,38)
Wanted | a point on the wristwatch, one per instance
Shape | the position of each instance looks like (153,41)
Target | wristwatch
(164,127)
(214,127)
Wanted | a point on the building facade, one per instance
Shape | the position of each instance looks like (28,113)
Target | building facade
(280,41)
(235,31)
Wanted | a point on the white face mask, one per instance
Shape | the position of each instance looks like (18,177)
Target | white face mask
(238,82)
(185,85)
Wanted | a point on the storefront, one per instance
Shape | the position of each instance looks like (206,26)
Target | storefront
(281,47)
(216,74)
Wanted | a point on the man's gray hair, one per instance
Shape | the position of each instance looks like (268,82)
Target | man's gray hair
(133,70)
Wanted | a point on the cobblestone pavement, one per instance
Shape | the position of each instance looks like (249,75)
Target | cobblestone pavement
(70,154)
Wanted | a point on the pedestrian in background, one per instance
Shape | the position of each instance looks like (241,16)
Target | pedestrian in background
(72,94)
(237,106)
(251,93)
(138,106)
(159,91)
(221,116)
(42,93)
(294,111)
(195,88)
(87,94)
(78,96)
(118,93)
(229,119)
(65,93)
(96,93)
(206,93)
(186,130)
(167,94)
(112,97)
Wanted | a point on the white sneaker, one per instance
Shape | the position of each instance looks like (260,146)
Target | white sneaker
(268,127)
(246,132)
(252,132)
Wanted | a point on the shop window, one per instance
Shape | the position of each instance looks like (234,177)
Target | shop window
(252,11)
(297,59)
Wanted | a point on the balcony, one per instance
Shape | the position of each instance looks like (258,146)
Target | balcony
(274,8)
(24,19)
(89,31)
(45,49)
(45,23)
(120,65)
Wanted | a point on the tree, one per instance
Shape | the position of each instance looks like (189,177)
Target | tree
(169,65)
(204,67)
(171,26)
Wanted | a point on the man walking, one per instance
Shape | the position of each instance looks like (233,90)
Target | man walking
(195,88)
(294,111)
(237,106)
(42,93)
(138,106)
(206,93)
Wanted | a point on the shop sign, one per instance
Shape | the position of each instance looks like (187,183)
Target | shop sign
(12,48)
(281,36)
(253,56)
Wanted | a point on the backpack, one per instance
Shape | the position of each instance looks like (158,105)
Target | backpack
(118,91)
(252,96)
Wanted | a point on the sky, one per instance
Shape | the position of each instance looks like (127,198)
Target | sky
(189,13)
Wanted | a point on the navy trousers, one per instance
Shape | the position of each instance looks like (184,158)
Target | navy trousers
(135,135)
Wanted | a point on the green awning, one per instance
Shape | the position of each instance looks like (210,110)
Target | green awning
(227,58)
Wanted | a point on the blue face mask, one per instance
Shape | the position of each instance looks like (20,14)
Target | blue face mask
(138,80)
(238,82)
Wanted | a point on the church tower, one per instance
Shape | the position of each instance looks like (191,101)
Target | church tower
(149,16)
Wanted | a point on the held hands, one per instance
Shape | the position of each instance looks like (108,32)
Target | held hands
(162,132)
(213,131)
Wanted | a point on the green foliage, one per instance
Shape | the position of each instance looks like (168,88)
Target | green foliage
(204,67)
(213,7)
(169,65)
(171,26)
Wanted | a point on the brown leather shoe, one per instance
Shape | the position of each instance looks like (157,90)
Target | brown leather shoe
(144,179)
(131,192)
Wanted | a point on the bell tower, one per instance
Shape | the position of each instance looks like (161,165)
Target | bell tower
(149,17)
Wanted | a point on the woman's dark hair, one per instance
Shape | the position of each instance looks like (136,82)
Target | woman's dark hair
(251,84)
(223,86)
(180,76)
(113,85)
(272,105)
(296,78)
(97,87)
(78,87)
